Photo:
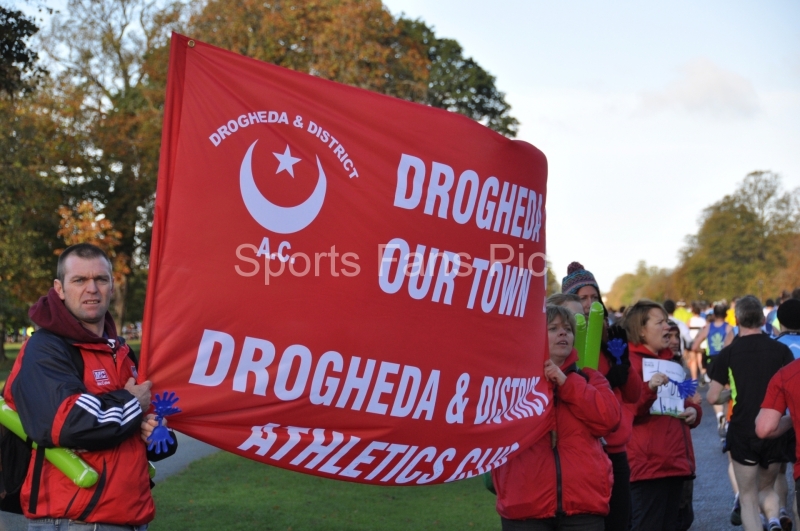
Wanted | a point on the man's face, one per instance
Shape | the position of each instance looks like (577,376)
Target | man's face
(87,288)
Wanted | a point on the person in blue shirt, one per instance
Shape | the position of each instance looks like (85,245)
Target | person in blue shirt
(771,325)
(719,335)
(789,318)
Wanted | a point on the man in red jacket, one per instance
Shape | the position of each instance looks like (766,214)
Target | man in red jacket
(98,409)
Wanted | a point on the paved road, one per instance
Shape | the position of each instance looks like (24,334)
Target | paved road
(713,497)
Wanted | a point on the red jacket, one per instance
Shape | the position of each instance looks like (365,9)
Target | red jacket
(661,445)
(617,440)
(566,471)
(90,411)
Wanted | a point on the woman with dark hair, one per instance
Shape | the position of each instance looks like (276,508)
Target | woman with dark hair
(660,452)
(579,281)
(563,481)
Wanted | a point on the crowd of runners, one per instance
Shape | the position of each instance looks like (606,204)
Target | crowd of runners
(617,459)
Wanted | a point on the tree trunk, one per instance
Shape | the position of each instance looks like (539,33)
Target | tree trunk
(118,302)
(3,342)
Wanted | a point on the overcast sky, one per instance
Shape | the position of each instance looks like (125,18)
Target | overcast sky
(647,111)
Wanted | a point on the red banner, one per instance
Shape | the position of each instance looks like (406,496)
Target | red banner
(343,283)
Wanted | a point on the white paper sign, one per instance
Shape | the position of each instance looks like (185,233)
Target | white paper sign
(668,401)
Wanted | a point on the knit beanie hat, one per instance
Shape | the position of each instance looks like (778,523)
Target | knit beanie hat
(789,314)
(577,277)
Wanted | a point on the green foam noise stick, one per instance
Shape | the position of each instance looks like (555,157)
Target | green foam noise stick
(580,337)
(63,459)
(594,334)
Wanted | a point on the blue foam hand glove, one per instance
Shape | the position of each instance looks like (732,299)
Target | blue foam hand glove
(617,349)
(686,388)
(160,439)
(164,404)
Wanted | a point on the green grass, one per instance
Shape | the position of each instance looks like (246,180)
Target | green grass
(224,491)
(12,349)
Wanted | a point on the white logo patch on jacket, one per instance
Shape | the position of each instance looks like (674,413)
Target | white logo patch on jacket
(101,377)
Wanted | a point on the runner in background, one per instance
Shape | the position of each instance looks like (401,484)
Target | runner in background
(788,314)
(681,313)
(696,323)
(730,315)
(783,394)
(719,334)
(772,324)
(769,307)
(748,365)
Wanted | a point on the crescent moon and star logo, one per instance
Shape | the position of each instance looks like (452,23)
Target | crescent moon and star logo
(282,220)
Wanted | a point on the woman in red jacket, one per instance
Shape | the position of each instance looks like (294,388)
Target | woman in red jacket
(564,480)
(660,452)
(627,388)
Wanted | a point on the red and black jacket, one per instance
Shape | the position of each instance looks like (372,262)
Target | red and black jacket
(91,413)
(628,393)
(660,445)
(566,472)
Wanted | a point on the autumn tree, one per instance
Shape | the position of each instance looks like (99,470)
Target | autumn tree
(355,42)
(109,59)
(19,70)
(83,225)
(553,285)
(741,244)
(359,43)
(646,283)
(748,243)
(26,194)
(109,97)
(29,197)
(459,84)
(788,277)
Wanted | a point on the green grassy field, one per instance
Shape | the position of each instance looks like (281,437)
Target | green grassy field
(228,492)
(12,349)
